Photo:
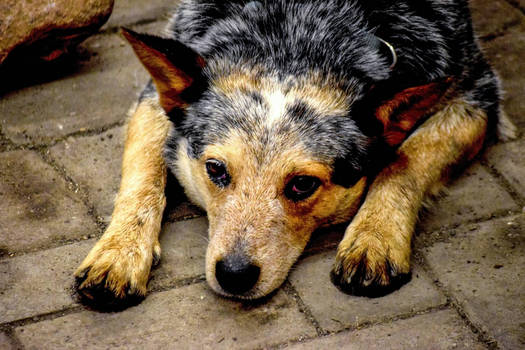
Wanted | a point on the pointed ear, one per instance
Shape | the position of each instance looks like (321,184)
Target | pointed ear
(401,113)
(175,69)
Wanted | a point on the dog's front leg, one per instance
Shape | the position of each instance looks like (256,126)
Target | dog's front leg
(374,256)
(116,270)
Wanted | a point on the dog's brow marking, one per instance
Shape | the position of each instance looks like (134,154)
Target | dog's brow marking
(277,102)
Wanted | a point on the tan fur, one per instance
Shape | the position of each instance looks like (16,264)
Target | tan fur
(253,211)
(321,94)
(382,229)
(123,256)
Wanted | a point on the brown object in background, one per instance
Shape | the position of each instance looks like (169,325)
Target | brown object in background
(49,28)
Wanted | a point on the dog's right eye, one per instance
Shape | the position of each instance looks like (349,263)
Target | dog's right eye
(217,172)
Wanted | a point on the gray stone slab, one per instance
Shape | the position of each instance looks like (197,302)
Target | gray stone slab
(98,94)
(183,247)
(94,162)
(474,195)
(436,330)
(127,12)
(506,55)
(494,17)
(39,283)
(36,205)
(335,310)
(483,269)
(5,342)
(509,160)
(185,318)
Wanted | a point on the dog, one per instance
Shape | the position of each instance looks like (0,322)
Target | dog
(280,117)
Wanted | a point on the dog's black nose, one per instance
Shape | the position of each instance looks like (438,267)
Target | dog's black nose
(236,274)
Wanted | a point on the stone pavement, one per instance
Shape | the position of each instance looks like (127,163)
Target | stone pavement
(61,130)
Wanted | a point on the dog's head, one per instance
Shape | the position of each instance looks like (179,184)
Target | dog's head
(270,157)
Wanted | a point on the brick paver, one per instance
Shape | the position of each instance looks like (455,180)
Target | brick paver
(437,330)
(483,269)
(191,317)
(98,94)
(485,25)
(475,195)
(94,163)
(37,205)
(508,159)
(335,310)
(5,342)
(39,283)
(506,55)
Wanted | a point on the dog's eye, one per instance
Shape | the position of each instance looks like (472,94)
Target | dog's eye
(217,172)
(301,187)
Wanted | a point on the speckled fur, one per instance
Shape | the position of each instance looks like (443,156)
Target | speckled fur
(306,88)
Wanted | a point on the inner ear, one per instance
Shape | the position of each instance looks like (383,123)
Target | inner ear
(175,69)
(401,113)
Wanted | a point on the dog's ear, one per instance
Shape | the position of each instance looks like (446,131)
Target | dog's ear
(175,69)
(400,114)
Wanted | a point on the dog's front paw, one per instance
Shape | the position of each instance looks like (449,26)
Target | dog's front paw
(115,273)
(368,266)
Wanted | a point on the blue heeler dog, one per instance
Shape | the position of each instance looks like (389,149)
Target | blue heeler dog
(278,117)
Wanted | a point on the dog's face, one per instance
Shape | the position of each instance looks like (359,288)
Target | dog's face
(262,176)
(270,157)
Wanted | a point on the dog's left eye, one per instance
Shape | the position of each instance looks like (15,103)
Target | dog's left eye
(301,187)
(217,172)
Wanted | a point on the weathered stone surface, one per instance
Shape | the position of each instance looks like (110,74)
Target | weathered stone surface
(127,12)
(183,247)
(5,342)
(59,23)
(506,55)
(508,159)
(94,162)
(335,310)
(43,280)
(436,330)
(184,318)
(474,195)
(38,283)
(98,94)
(36,205)
(494,17)
(483,269)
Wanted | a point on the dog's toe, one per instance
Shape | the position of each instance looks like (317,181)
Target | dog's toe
(365,277)
(97,293)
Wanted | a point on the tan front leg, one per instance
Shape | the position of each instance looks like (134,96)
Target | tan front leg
(116,270)
(374,256)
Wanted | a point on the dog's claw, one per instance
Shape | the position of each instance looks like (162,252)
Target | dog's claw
(358,276)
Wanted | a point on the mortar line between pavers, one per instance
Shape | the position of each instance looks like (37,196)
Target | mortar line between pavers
(500,32)
(69,241)
(289,289)
(53,141)
(500,214)
(366,325)
(77,307)
(517,5)
(476,329)
(74,187)
(504,183)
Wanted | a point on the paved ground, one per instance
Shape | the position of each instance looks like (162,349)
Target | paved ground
(61,129)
